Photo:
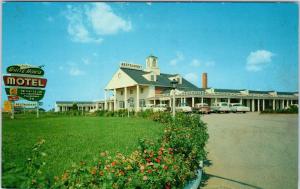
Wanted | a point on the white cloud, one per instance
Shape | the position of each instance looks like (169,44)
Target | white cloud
(86,61)
(76,27)
(104,21)
(179,57)
(195,63)
(192,77)
(258,59)
(210,63)
(88,24)
(74,71)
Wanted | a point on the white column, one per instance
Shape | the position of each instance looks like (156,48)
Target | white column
(125,98)
(216,100)
(291,102)
(241,101)
(193,101)
(105,100)
(258,105)
(154,102)
(202,100)
(137,98)
(115,100)
(282,104)
(170,102)
(273,104)
(263,105)
(228,101)
(253,105)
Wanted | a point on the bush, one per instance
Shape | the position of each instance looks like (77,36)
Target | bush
(293,109)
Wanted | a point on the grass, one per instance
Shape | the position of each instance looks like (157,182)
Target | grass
(73,139)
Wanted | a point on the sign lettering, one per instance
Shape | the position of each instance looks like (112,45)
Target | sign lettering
(24,81)
(26,70)
(27,94)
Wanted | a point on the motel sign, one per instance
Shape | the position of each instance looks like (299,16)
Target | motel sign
(24,82)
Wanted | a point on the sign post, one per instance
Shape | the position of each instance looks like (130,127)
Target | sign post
(25,82)
(37,109)
(12,110)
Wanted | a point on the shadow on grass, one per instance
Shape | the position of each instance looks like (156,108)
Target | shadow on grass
(207,176)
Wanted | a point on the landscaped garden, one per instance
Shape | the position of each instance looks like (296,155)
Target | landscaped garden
(149,150)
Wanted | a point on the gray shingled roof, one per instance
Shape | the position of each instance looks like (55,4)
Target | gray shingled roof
(286,93)
(228,90)
(161,80)
(73,102)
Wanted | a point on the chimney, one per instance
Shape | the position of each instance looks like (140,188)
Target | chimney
(204,80)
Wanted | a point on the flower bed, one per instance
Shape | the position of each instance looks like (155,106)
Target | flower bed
(167,163)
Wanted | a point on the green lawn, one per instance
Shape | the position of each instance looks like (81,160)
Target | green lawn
(73,139)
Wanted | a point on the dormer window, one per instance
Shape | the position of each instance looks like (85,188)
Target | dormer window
(152,78)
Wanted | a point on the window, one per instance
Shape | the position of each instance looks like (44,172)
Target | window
(121,93)
(152,77)
(142,90)
(121,104)
(142,103)
(131,91)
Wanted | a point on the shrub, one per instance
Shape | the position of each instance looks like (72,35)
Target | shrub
(293,109)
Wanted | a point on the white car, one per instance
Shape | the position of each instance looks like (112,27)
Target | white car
(237,107)
(220,107)
(148,107)
(160,108)
(183,108)
(155,108)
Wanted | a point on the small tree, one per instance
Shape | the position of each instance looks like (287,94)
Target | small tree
(74,107)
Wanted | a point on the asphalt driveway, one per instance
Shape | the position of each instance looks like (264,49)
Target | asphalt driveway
(252,151)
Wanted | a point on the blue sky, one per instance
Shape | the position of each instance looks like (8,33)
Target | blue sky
(240,45)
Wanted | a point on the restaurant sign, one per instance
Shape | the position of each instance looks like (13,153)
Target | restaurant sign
(25,69)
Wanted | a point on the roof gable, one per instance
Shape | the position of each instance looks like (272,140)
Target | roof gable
(120,79)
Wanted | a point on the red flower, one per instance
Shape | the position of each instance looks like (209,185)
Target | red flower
(113,163)
(157,160)
(149,171)
(165,167)
(121,172)
(168,186)
(148,160)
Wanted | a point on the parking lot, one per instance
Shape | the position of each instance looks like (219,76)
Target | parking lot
(252,151)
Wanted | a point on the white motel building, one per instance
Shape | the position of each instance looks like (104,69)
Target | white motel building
(133,87)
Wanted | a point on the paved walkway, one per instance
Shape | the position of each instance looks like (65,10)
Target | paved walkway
(252,151)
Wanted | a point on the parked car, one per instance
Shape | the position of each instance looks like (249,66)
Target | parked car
(147,107)
(160,108)
(202,108)
(183,108)
(237,107)
(220,107)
